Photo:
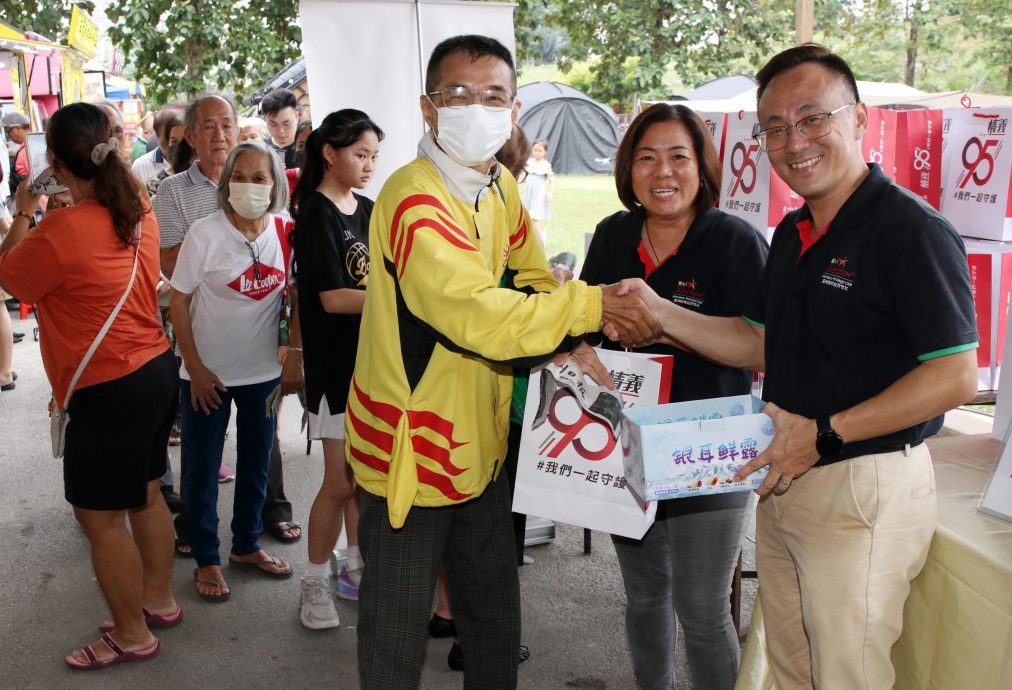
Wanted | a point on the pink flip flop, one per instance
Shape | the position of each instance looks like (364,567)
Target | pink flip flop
(225,474)
(154,620)
(120,655)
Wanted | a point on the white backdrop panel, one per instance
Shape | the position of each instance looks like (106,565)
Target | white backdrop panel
(365,55)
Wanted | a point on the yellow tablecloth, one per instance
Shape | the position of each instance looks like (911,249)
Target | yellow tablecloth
(957,625)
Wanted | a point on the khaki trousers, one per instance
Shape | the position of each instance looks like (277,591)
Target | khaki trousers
(836,554)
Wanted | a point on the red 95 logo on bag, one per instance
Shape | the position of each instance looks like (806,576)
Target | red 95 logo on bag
(589,437)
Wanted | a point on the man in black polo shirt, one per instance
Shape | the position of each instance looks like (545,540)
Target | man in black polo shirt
(864,324)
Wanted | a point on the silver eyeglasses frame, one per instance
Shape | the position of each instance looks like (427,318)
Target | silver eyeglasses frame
(815,120)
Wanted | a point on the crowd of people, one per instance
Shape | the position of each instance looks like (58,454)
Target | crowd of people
(410,324)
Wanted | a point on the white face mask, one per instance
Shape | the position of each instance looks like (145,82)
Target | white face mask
(248,199)
(473,134)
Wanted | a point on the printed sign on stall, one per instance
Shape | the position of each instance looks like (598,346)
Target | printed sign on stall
(71,80)
(990,266)
(715,125)
(919,154)
(783,200)
(907,145)
(879,142)
(745,190)
(84,32)
(979,173)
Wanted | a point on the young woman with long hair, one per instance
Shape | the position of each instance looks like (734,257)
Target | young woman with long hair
(82,265)
(331,245)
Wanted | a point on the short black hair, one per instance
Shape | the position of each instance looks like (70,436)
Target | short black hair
(800,55)
(475,47)
(277,100)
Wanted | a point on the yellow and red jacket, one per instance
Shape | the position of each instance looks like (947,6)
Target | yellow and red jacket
(428,411)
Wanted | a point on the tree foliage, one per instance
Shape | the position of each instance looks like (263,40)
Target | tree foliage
(934,45)
(990,21)
(537,41)
(700,40)
(183,47)
(50,18)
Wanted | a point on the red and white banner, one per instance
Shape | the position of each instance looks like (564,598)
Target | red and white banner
(991,282)
(919,154)
(783,200)
(879,142)
(716,125)
(745,174)
(908,146)
(977,198)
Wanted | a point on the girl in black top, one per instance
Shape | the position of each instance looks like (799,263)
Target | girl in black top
(331,249)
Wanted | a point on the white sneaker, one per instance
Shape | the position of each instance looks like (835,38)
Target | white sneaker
(316,605)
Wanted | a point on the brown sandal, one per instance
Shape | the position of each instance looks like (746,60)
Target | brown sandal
(264,566)
(218,584)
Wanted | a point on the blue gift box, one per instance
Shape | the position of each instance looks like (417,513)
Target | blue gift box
(693,448)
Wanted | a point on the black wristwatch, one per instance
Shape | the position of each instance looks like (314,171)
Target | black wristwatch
(828,442)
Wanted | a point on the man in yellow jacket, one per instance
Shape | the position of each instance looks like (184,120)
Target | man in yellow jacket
(428,411)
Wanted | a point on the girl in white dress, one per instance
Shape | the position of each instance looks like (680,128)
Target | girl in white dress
(538,187)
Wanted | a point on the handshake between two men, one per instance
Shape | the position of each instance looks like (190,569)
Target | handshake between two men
(635,316)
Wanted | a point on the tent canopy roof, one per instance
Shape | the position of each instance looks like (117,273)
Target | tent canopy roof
(534,94)
(722,87)
(291,75)
(731,94)
(582,133)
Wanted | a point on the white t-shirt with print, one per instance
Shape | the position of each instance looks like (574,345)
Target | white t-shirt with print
(234,315)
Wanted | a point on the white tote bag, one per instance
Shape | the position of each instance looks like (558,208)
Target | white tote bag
(570,468)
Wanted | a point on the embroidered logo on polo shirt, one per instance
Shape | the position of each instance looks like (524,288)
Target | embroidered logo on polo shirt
(688,293)
(839,275)
(248,285)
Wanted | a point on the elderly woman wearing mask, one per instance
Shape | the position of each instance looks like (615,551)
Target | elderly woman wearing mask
(226,293)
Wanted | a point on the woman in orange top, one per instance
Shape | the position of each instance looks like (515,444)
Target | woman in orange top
(75,266)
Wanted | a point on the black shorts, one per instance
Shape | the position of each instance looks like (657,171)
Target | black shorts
(118,435)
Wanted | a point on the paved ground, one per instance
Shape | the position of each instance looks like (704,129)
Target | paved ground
(572,603)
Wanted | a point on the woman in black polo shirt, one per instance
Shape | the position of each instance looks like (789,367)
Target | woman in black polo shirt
(668,175)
